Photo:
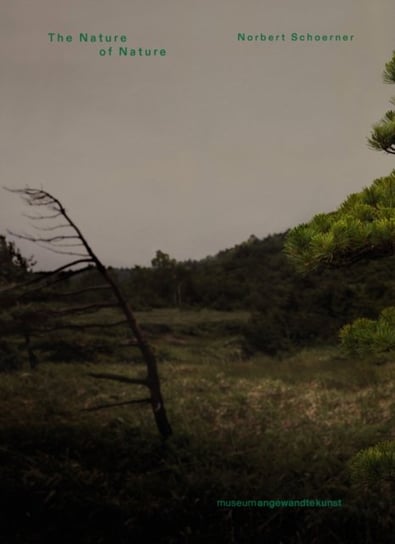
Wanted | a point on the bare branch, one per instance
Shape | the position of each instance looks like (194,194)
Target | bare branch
(78,244)
(50,228)
(47,274)
(30,238)
(75,293)
(112,404)
(78,327)
(42,217)
(60,252)
(65,276)
(80,309)
(129,343)
(48,204)
(116,377)
(38,197)
(70,273)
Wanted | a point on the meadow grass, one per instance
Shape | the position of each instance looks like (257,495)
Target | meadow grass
(260,428)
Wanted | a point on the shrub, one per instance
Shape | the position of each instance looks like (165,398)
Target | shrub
(370,337)
(10,358)
(266,333)
(374,465)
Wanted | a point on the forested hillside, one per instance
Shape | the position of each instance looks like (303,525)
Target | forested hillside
(288,308)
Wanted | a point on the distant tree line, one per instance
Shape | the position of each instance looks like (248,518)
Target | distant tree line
(288,309)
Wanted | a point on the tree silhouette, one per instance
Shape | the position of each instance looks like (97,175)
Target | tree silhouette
(63,236)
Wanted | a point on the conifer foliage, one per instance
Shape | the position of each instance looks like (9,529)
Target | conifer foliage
(363,226)
(383,135)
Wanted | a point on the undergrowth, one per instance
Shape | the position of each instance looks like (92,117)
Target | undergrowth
(257,429)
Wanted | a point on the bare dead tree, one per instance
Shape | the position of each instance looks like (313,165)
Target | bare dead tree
(66,238)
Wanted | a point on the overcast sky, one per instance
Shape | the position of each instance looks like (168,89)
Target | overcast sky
(193,151)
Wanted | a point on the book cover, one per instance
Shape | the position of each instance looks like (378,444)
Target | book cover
(183,140)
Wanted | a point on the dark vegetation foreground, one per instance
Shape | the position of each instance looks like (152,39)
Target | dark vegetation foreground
(261,428)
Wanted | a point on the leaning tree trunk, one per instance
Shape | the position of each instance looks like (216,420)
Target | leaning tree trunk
(38,197)
(153,381)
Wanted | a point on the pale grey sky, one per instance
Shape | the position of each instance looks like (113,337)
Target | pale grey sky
(192,152)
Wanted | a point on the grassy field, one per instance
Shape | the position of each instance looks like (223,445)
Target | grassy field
(260,428)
